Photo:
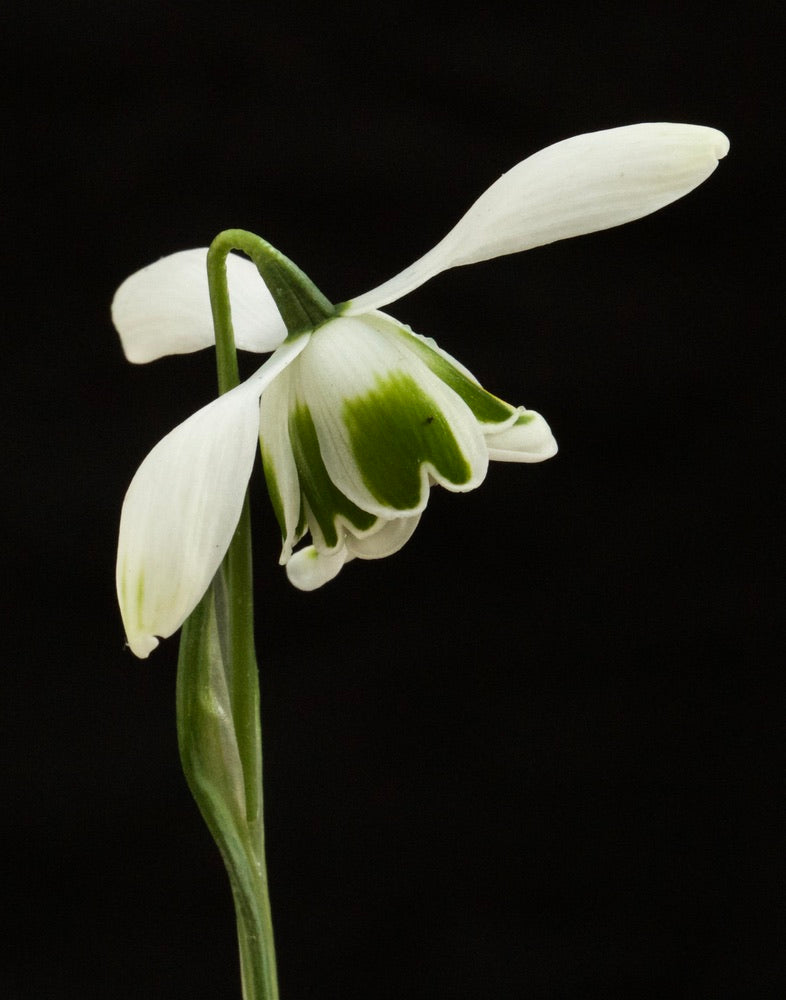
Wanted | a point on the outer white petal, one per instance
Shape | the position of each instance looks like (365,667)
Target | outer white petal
(182,507)
(581,185)
(165,308)
(309,569)
(530,441)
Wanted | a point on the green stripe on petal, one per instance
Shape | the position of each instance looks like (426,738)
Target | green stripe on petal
(278,462)
(395,429)
(272,488)
(486,408)
(325,501)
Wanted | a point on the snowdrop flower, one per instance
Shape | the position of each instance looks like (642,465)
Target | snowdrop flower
(357,416)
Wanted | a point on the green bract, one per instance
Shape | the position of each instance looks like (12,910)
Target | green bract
(356,416)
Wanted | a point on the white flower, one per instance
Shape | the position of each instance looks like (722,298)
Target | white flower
(357,418)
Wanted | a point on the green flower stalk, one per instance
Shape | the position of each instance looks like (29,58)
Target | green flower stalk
(356,417)
(218,721)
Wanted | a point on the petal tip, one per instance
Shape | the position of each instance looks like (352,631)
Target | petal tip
(309,569)
(142,645)
(720,143)
(529,440)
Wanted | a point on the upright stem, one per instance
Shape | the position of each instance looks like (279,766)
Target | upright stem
(219,731)
(238,575)
(254,922)
(302,307)
(214,771)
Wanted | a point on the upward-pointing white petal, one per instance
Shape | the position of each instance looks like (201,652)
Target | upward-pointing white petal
(182,508)
(165,308)
(581,185)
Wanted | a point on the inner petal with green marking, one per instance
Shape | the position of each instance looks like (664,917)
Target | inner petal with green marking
(327,505)
(486,408)
(384,421)
(395,430)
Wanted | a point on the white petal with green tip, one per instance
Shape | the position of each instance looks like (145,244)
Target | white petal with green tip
(309,569)
(165,308)
(577,186)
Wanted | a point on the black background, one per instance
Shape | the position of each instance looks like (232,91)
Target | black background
(538,752)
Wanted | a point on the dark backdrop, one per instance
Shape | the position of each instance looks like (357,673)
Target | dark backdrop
(535,754)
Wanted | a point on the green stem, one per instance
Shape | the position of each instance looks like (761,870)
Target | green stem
(211,763)
(219,731)
(237,570)
(254,921)
(301,304)
(302,307)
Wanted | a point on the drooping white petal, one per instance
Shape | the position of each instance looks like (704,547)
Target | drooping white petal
(581,185)
(385,421)
(392,536)
(528,440)
(309,569)
(165,308)
(179,515)
(182,507)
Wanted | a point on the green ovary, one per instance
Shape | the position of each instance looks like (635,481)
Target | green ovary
(394,429)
